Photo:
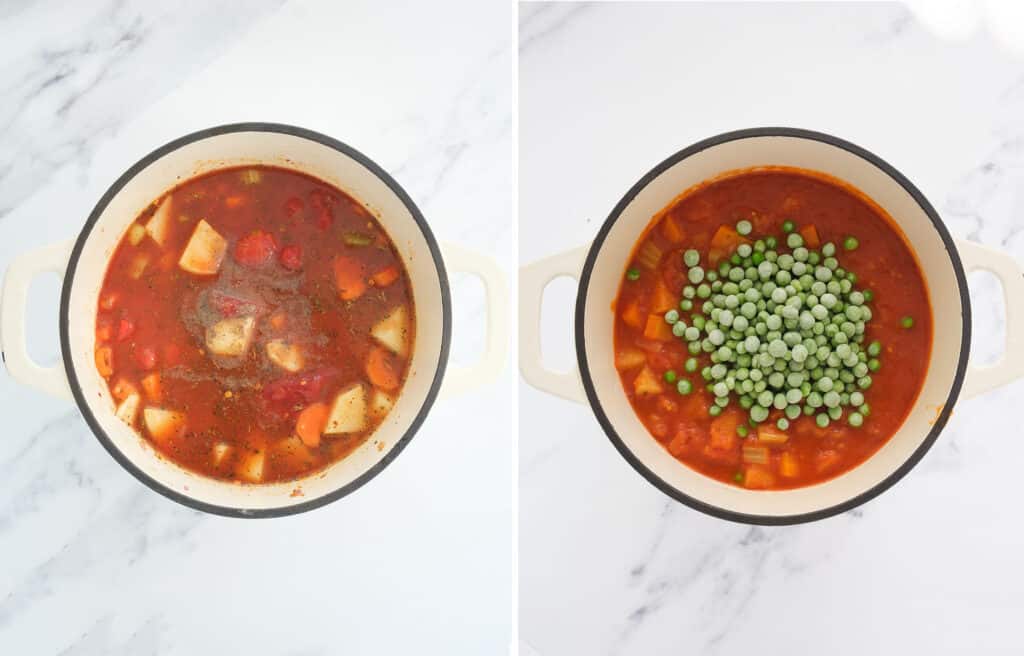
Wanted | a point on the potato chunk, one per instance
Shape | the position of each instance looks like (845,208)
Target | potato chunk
(128,409)
(204,252)
(163,425)
(348,414)
(231,337)
(393,331)
(381,403)
(285,355)
(159,225)
(251,467)
(219,451)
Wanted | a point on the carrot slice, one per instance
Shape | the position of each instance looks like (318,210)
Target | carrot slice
(151,385)
(810,235)
(310,424)
(382,369)
(386,276)
(349,276)
(105,361)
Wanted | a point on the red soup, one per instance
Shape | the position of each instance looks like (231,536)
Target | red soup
(255,324)
(773,328)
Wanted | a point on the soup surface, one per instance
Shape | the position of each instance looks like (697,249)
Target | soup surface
(254,324)
(772,329)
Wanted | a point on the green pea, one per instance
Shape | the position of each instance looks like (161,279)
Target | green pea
(783,423)
(788,226)
(822,420)
(691,258)
(742,430)
(794,240)
(715,410)
(670,376)
(744,227)
(632,274)
(851,243)
(874,364)
(907,322)
(691,365)
(684,386)
(855,419)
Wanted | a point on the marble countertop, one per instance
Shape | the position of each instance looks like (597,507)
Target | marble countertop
(418,561)
(610,566)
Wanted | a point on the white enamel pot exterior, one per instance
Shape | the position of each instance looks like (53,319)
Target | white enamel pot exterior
(83,263)
(599,268)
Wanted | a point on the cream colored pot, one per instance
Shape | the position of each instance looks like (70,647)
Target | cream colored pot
(599,267)
(83,263)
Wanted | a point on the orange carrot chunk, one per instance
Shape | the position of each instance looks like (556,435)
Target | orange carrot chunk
(386,276)
(810,235)
(382,369)
(310,424)
(349,276)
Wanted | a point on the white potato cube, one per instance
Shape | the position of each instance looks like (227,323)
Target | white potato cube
(251,467)
(348,414)
(159,225)
(219,452)
(231,337)
(204,251)
(393,331)
(287,356)
(163,424)
(128,409)
(381,403)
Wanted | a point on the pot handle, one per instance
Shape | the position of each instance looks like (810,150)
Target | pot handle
(981,379)
(533,279)
(459,380)
(20,273)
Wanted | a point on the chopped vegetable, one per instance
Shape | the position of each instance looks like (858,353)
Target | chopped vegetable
(219,452)
(907,322)
(204,252)
(350,277)
(646,382)
(250,176)
(768,434)
(788,465)
(672,231)
(231,337)
(287,356)
(105,361)
(135,234)
(633,274)
(348,413)
(138,266)
(356,239)
(663,299)
(381,403)
(251,467)
(629,358)
(163,425)
(649,255)
(256,249)
(757,455)
(758,477)
(310,424)
(810,236)
(128,409)
(657,329)
(152,387)
(122,389)
(386,276)
(159,226)
(291,257)
(382,369)
(393,331)
(632,315)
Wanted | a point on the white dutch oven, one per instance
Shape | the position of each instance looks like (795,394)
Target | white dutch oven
(599,269)
(83,263)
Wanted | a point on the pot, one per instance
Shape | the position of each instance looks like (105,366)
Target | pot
(83,262)
(944,261)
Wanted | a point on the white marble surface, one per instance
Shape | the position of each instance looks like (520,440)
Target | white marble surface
(421,559)
(610,566)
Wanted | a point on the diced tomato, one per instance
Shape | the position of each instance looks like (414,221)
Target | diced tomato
(350,277)
(282,398)
(322,205)
(125,329)
(145,356)
(234,201)
(293,206)
(255,249)
(291,257)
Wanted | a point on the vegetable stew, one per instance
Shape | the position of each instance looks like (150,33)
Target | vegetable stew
(255,324)
(773,328)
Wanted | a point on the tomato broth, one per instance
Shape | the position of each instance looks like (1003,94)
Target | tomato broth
(668,381)
(255,324)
